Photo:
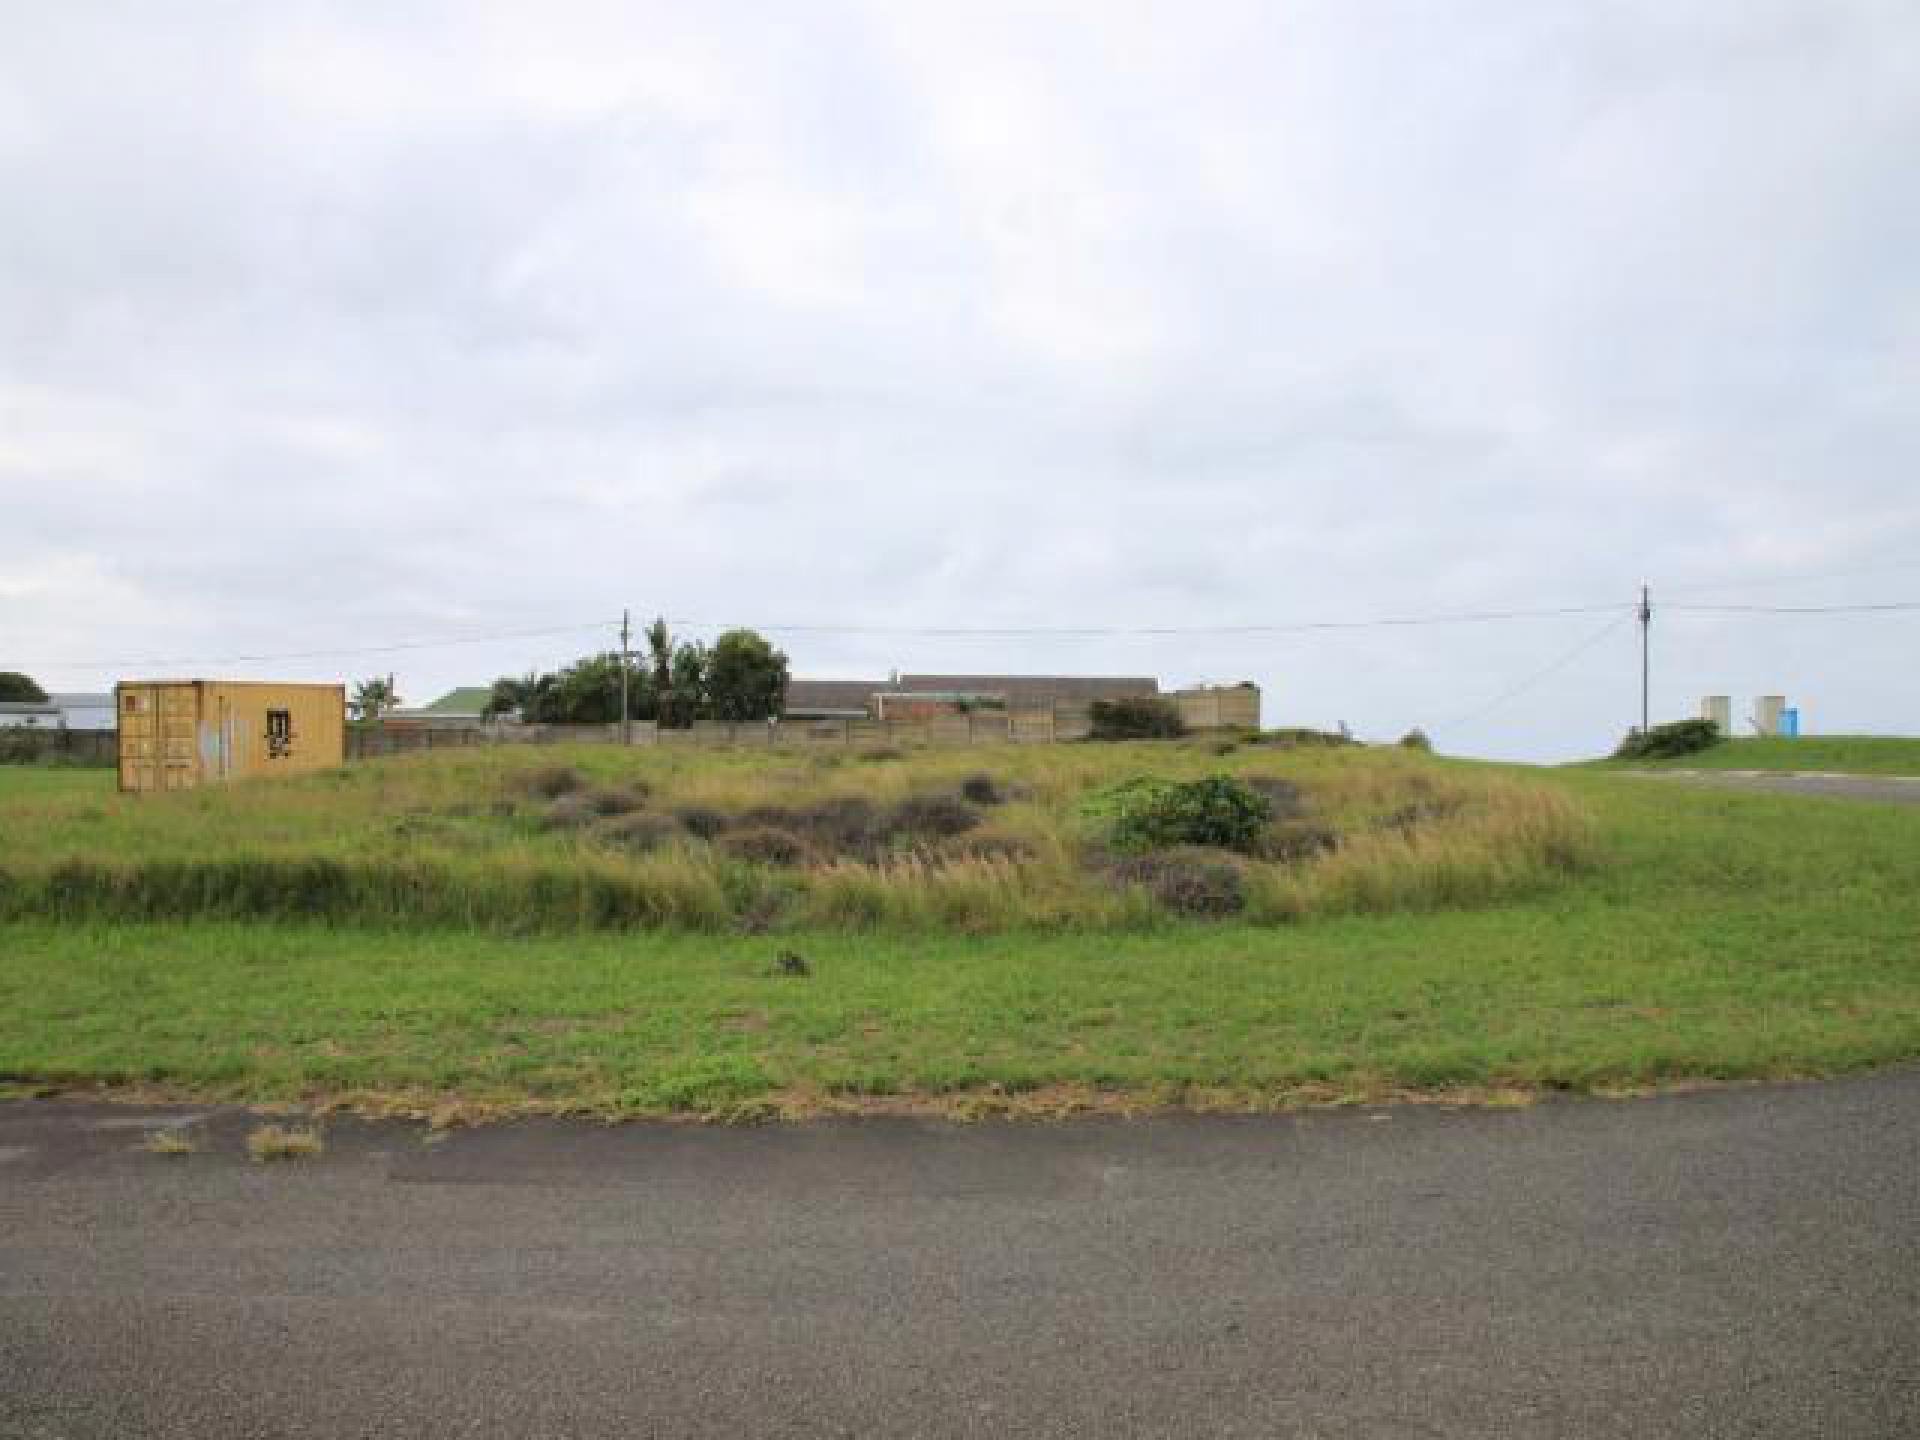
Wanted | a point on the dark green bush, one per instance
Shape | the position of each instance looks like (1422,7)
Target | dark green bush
(1150,814)
(1136,718)
(1663,742)
(1416,739)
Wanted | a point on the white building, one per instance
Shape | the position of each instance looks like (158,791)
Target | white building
(29,714)
(85,711)
(59,712)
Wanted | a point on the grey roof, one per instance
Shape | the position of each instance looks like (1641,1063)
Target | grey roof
(849,696)
(1023,690)
(28,707)
(83,701)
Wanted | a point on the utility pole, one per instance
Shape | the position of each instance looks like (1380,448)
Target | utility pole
(1646,625)
(626,665)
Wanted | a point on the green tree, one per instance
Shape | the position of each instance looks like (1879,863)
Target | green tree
(746,677)
(372,698)
(512,695)
(587,692)
(685,699)
(17,687)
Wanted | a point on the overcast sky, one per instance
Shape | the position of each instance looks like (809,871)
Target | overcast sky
(328,327)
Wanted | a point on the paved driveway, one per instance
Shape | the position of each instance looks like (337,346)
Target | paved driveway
(1899,789)
(1742,1262)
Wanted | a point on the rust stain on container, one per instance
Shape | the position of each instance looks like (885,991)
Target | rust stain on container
(178,734)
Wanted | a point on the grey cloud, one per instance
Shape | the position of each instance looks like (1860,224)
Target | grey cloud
(329,326)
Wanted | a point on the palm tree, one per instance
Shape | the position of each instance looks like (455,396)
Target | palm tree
(660,654)
(373,697)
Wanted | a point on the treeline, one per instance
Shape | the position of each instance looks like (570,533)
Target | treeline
(738,677)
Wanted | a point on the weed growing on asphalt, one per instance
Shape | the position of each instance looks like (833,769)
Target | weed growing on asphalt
(283,1142)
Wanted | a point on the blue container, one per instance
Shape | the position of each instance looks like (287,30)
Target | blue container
(1790,722)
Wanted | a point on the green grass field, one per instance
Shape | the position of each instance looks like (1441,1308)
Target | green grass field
(1834,754)
(1695,936)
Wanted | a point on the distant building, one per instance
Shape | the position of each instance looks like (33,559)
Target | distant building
(905,697)
(458,709)
(59,712)
(832,699)
(30,715)
(85,711)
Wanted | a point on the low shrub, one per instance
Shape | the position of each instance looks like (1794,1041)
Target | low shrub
(622,801)
(846,827)
(569,812)
(765,845)
(638,832)
(982,789)
(702,821)
(1199,883)
(931,817)
(1302,738)
(1294,842)
(1416,739)
(1150,814)
(550,782)
(876,753)
(1664,742)
(1285,798)
(1136,718)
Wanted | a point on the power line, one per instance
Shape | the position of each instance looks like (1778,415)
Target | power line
(931,631)
(1884,607)
(1554,668)
(1122,631)
(382,649)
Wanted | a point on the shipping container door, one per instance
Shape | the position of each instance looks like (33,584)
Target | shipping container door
(139,737)
(179,736)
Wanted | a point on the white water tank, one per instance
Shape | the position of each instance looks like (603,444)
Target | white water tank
(1718,709)
(1766,713)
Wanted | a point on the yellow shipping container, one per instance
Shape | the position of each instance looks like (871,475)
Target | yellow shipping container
(176,734)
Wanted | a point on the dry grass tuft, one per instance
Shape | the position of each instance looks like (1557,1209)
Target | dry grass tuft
(284,1142)
(169,1142)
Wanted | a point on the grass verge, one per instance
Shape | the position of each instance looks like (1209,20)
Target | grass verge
(1717,936)
(1830,754)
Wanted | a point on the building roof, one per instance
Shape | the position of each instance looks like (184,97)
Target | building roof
(87,701)
(1034,690)
(466,700)
(28,707)
(832,696)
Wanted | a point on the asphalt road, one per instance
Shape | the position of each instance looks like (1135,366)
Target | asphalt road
(1733,1263)
(1897,789)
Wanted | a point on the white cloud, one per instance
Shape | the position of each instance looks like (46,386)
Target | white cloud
(323,326)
